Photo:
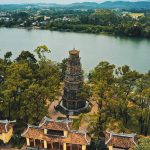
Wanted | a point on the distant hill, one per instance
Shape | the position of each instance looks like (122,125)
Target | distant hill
(112,5)
(126,5)
(85,5)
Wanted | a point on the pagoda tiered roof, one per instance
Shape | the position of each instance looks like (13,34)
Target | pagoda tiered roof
(72,102)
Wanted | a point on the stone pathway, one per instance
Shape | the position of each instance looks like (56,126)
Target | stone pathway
(55,114)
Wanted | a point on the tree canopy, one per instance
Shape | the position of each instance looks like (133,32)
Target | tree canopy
(28,85)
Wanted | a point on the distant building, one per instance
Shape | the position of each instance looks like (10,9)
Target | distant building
(6,130)
(46,18)
(55,135)
(66,19)
(136,15)
(120,141)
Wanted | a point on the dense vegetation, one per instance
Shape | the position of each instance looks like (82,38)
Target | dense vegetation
(144,144)
(28,85)
(116,22)
(105,21)
(123,98)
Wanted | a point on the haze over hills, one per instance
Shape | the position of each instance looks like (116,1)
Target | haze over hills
(60,1)
(109,4)
(87,5)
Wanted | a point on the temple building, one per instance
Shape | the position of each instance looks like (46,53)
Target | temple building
(6,130)
(55,135)
(120,141)
(71,102)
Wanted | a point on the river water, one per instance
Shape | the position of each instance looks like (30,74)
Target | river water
(134,52)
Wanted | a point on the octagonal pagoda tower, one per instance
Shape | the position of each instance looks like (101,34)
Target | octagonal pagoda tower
(71,102)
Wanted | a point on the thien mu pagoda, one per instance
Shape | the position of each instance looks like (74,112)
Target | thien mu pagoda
(55,135)
(71,102)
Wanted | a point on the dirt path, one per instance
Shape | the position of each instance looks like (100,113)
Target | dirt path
(87,117)
(8,147)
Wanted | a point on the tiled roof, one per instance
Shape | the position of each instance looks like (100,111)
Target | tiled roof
(33,132)
(2,128)
(78,138)
(74,137)
(120,140)
(5,125)
(60,125)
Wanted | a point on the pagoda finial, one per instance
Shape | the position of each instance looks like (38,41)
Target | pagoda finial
(74,52)
(74,45)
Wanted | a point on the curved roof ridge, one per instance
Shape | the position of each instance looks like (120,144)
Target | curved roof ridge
(29,126)
(133,140)
(110,136)
(4,121)
(25,131)
(79,131)
(48,119)
(56,120)
(121,134)
(45,119)
(64,121)
(7,121)
(32,126)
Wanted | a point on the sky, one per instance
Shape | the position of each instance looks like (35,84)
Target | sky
(54,1)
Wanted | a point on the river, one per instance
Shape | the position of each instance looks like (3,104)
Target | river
(134,52)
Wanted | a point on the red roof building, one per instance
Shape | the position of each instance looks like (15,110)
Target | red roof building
(55,135)
(6,130)
(120,141)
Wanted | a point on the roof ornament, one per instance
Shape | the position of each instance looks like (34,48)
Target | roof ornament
(74,45)
(46,119)
(6,126)
(110,136)
(86,138)
(7,122)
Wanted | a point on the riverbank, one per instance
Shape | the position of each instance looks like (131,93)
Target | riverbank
(121,31)
(94,47)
